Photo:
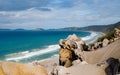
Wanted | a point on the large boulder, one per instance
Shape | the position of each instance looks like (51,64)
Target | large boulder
(78,41)
(66,57)
(11,68)
(73,42)
(105,42)
(111,66)
(70,49)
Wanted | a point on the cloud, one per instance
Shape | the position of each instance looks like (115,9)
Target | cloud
(16,5)
(61,13)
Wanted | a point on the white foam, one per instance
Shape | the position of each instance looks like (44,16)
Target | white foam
(55,55)
(17,54)
(92,35)
(28,54)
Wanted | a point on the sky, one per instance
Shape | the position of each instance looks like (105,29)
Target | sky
(47,14)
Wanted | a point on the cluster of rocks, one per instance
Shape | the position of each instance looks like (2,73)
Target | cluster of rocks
(111,66)
(97,45)
(70,49)
(105,42)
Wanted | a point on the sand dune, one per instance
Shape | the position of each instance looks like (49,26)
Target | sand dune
(92,58)
(112,50)
(86,70)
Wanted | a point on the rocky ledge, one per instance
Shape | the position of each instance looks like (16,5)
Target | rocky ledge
(11,68)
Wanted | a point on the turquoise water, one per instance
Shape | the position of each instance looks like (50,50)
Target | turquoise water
(27,46)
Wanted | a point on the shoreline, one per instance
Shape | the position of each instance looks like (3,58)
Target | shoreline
(99,34)
(56,59)
(90,63)
(24,56)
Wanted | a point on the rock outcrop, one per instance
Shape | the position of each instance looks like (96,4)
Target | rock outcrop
(117,33)
(105,42)
(111,66)
(11,68)
(70,50)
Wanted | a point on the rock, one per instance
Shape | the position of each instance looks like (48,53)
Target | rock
(76,62)
(113,65)
(54,71)
(11,68)
(71,45)
(76,40)
(111,40)
(105,42)
(73,42)
(66,57)
(70,49)
(62,43)
(84,62)
(116,39)
(98,45)
(63,71)
(117,33)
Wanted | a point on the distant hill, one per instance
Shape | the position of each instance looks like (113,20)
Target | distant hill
(98,28)
(4,29)
(20,29)
(39,29)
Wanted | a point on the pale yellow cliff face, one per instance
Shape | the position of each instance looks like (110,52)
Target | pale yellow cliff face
(10,68)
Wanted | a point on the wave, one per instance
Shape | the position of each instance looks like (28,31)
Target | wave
(55,55)
(92,35)
(27,54)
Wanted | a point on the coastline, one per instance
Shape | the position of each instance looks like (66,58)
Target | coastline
(91,58)
(97,35)
(49,63)
(34,48)
(90,63)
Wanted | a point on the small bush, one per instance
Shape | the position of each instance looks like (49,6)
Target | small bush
(109,35)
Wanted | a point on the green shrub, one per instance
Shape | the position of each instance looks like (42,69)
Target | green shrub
(100,39)
(109,35)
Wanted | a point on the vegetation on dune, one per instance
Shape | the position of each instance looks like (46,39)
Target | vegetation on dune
(109,35)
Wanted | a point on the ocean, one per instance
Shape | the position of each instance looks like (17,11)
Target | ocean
(27,46)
